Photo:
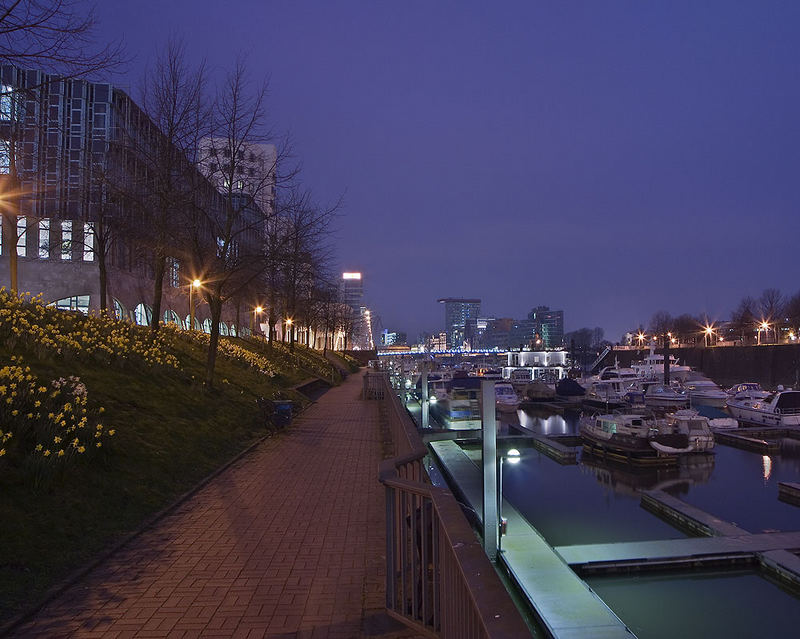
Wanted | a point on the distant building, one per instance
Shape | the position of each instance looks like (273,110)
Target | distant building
(436,342)
(548,325)
(460,320)
(389,338)
(352,289)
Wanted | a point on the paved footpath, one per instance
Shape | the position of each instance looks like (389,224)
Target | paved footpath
(288,542)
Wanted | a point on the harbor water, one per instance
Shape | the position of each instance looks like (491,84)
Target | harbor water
(598,502)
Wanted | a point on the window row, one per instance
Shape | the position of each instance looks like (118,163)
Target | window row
(63,239)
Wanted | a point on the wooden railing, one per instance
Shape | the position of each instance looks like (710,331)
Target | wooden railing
(438,578)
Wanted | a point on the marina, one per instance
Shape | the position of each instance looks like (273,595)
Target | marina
(695,517)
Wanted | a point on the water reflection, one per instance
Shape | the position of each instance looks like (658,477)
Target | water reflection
(545,423)
(766,462)
(622,479)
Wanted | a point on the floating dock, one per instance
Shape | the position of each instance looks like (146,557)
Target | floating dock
(746,442)
(789,492)
(563,602)
(723,544)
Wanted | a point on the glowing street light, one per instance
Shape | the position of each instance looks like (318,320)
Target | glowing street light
(195,284)
(764,326)
(709,331)
(289,323)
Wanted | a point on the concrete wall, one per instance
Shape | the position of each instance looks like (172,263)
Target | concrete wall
(727,365)
(57,279)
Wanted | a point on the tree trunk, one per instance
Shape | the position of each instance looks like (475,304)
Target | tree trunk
(215,307)
(158,289)
(101,264)
(238,316)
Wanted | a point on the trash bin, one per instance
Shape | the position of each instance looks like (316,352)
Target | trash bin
(282,415)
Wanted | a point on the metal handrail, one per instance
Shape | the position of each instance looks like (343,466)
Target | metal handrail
(438,577)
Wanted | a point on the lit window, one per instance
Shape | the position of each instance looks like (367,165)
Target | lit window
(173,272)
(22,236)
(5,158)
(44,239)
(66,240)
(88,242)
(6,102)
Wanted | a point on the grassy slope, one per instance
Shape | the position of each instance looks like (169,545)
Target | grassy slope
(170,433)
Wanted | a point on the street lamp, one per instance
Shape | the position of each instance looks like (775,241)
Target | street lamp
(640,337)
(709,331)
(289,324)
(513,458)
(764,326)
(195,284)
(256,311)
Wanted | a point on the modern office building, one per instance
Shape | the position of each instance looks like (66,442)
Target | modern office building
(353,289)
(251,172)
(460,320)
(64,141)
(548,325)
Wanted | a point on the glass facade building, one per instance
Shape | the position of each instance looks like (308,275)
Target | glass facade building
(461,320)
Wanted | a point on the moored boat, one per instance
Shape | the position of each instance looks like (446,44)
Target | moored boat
(778,409)
(632,437)
(506,398)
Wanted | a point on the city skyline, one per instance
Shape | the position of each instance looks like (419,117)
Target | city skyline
(613,160)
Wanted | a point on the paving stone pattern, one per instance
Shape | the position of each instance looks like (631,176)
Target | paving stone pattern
(288,542)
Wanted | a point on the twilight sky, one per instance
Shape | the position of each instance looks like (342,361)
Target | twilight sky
(608,158)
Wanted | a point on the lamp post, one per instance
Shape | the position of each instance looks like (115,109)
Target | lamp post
(195,284)
(763,326)
(513,458)
(256,311)
(709,331)
(289,325)
(489,450)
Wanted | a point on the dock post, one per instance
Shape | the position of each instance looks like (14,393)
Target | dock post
(489,427)
(426,407)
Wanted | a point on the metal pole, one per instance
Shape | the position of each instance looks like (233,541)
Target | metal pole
(426,408)
(191,305)
(490,521)
(499,504)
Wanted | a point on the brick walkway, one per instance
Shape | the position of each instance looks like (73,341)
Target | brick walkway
(288,543)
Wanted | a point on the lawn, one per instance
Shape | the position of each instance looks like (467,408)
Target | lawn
(160,431)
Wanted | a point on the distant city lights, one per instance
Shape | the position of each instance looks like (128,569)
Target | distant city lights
(351,276)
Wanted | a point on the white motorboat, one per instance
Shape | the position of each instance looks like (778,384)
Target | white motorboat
(704,392)
(506,398)
(652,367)
(607,394)
(663,396)
(746,390)
(778,409)
(696,427)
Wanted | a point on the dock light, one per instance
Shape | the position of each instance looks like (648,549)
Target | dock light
(513,456)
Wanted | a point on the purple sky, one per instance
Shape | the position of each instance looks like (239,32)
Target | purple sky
(608,158)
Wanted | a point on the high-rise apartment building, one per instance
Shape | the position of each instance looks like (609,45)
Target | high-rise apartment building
(549,326)
(460,320)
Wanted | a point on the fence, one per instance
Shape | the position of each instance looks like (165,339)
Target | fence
(438,578)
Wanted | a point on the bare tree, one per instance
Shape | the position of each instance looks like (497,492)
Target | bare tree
(307,227)
(771,304)
(54,35)
(743,318)
(661,324)
(161,142)
(241,158)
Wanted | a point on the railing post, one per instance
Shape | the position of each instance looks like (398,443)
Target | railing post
(489,425)
(426,407)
